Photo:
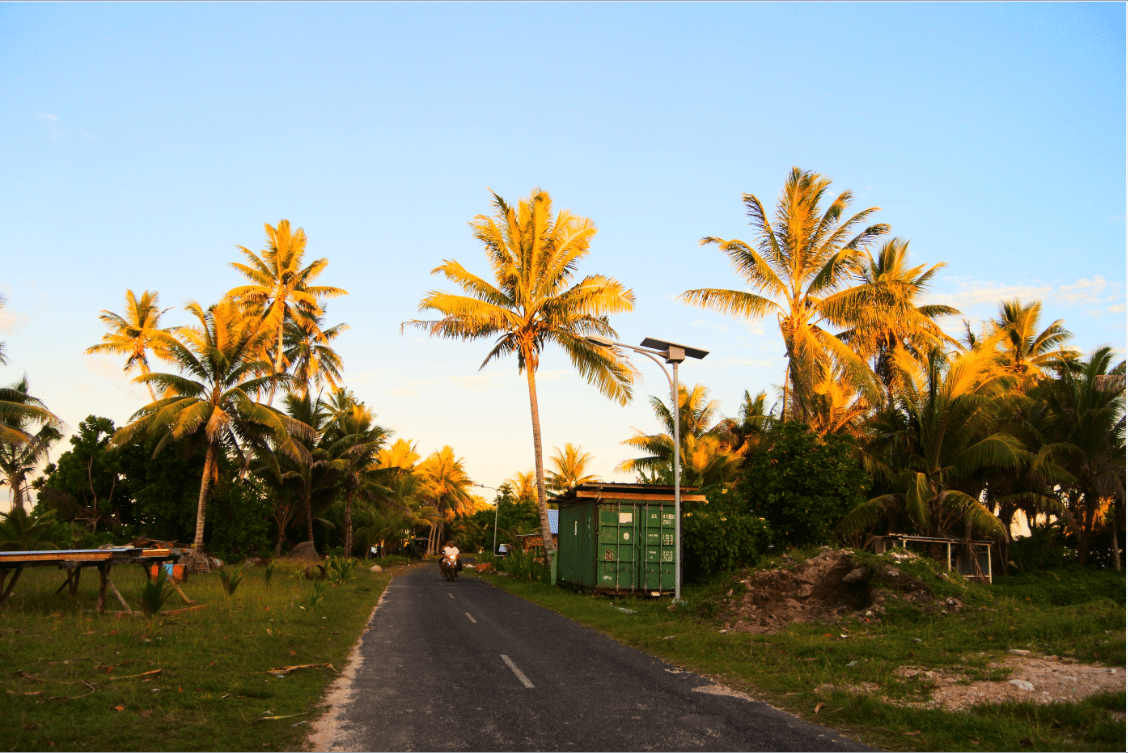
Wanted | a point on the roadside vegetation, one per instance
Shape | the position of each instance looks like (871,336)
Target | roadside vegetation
(846,674)
(246,672)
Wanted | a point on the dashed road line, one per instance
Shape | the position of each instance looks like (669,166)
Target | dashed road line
(471,618)
(520,675)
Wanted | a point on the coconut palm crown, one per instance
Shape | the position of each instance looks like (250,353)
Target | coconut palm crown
(534,301)
(797,270)
(135,334)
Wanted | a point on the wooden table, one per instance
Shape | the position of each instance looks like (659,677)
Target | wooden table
(73,561)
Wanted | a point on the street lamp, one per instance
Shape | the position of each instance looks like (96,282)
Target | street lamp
(674,354)
(497,507)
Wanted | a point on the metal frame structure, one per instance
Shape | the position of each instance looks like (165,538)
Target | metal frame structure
(904,538)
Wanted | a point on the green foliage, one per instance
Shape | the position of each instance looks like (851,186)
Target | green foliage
(526,566)
(230,579)
(154,594)
(1067,586)
(802,485)
(23,531)
(240,521)
(318,595)
(719,535)
(340,569)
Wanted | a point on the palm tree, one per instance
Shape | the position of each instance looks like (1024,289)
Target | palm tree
(570,465)
(797,270)
(888,316)
(21,451)
(311,357)
(1088,422)
(523,486)
(355,438)
(1027,354)
(213,401)
(942,429)
(135,334)
(281,289)
(21,412)
(533,303)
(749,432)
(314,472)
(707,452)
(447,490)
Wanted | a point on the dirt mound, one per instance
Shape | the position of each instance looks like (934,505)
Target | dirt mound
(305,552)
(822,589)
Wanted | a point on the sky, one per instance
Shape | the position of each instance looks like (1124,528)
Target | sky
(140,144)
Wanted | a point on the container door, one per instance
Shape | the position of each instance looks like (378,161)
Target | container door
(659,548)
(617,546)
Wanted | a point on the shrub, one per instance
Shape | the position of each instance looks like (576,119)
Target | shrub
(802,485)
(718,535)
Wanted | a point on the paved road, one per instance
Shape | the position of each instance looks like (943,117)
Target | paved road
(465,666)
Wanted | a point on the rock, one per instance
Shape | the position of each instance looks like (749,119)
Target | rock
(1019,652)
(376,569)
(215,562)
(1022,685)
(804,592)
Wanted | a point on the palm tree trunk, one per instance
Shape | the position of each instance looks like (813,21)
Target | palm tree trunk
(309,517)
(538,455)
(786,382)
(202,503)
(348,524)
(148,385)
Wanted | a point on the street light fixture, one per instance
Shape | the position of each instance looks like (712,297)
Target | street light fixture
(497,507)
(673,353)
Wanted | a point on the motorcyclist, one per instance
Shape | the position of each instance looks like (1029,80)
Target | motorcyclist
(450,550)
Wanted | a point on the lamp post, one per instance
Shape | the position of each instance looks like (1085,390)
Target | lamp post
(497,507)
(674,354)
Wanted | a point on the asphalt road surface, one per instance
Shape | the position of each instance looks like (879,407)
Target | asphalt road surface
(465,666)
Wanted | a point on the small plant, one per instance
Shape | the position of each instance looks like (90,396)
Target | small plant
(231,580)
(154,594)
(268,573)
(341,569)
(318,594)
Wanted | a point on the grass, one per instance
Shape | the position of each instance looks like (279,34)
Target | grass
(795,670)
(87,689)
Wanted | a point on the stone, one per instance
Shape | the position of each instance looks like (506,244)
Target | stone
(1019,652)
(857,575)
(376,569)
(1022,685)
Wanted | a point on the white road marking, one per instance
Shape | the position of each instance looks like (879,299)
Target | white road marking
(520,675)
(450,594)
(471,618)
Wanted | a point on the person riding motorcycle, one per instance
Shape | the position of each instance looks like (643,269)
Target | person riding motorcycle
(451,562)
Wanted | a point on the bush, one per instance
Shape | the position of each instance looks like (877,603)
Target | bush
(803,485)
(718,535)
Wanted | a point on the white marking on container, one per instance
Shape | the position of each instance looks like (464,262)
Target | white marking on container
(520,675)
(471,618)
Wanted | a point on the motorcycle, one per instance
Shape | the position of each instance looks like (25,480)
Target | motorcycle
(449,566)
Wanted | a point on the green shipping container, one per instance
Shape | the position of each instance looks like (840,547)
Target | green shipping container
(618,537)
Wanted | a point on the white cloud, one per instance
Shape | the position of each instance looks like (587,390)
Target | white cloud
(748,362)
(1083,292)
(473,383)
(1117,309)
(403,393)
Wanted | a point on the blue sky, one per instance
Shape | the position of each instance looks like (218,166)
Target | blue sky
(141,143)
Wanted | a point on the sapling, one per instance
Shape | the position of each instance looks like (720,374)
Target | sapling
(268,573)
(154,594)
(231,580)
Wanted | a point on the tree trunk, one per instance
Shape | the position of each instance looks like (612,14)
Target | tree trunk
(348,524)
(538,455)
(309,517)
(786,381)
(202,504)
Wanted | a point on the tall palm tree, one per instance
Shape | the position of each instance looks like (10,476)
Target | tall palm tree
(1027,354)
(533,302)
(889,315)
(523,486)
(943,428)
(355,438)
(447,490)
(135,334)
(214,399)
(22,452)
(281,289)
(314,473)
(570,468)
(798,270)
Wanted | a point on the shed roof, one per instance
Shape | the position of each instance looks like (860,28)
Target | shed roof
(627,492)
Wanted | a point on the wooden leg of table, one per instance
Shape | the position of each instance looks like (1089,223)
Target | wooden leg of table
(118,595)
(66,582)
(6,592)
(74,583)
(103,578)
(186,599)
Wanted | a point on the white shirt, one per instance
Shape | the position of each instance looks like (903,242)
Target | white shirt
(450,550)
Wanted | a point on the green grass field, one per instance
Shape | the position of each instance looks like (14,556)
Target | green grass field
(74,679)
(1082,616)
